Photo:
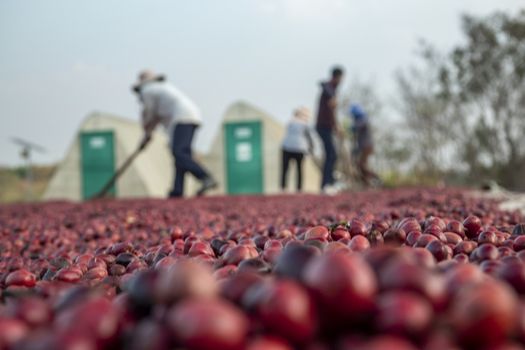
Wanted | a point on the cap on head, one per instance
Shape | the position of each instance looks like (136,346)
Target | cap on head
(146,76)
(357,111)
(302,113)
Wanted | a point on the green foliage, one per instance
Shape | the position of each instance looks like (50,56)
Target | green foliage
(393,179)
(488,75)
(471,101)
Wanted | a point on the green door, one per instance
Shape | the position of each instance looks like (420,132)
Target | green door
(97,161)
(244,165)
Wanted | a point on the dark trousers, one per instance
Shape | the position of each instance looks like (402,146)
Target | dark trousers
(181,150)
(330,156)
(298,158)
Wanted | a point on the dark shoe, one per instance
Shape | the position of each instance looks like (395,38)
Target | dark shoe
(207,184)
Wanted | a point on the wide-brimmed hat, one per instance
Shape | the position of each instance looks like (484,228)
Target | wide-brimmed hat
(302,113)
(146,76)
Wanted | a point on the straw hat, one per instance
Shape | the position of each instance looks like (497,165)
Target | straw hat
(302,113)
(147,76)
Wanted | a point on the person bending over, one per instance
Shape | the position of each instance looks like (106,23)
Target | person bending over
(164,104)
(363,145)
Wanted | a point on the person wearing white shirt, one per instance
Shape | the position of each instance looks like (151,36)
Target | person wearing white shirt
(296,143)
(166,105)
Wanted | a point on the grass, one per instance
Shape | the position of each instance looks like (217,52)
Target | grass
(15,188)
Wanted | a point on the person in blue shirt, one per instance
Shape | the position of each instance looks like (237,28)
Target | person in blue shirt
(363,144)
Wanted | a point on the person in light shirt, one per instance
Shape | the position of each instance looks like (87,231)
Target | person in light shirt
(166,105)
(296,143)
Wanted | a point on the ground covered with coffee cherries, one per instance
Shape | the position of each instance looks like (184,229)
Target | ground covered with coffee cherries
(431,269)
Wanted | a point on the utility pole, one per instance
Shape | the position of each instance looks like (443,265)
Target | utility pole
(26,151)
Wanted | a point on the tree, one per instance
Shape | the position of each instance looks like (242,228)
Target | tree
(426,112)
(485,79)
(467,108)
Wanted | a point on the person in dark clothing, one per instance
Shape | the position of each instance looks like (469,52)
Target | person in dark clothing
(326,126)
(296,143)
(363,145)
(184,163)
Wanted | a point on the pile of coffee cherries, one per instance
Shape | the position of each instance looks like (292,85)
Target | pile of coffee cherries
(386,269)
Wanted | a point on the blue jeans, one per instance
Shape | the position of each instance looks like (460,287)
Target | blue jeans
(330,154)
(181,150)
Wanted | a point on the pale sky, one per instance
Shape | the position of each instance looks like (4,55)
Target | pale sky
(62,59)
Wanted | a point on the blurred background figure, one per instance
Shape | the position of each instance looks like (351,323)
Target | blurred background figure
(296,143)
(326,127)
(363,145)
(452,87)
(164,104)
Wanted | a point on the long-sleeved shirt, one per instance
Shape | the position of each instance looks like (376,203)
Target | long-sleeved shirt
(326,113)
(164,101)
(298,137)
(362,134)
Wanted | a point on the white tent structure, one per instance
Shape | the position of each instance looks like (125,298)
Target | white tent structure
(239,116)
(245,158)
(150,175)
